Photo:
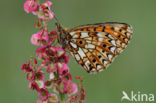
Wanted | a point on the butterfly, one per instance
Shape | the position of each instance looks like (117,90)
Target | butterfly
(94,46)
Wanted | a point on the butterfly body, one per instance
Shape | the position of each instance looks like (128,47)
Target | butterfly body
(94,46)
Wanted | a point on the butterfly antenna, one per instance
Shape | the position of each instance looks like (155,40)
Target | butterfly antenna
(56,20)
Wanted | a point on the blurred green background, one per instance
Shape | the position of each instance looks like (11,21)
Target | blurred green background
(133,70)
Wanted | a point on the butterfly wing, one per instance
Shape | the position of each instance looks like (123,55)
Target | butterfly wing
(94,46)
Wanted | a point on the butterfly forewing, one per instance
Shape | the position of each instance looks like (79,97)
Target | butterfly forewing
(94,46)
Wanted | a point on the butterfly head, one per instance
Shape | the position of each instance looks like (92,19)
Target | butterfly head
(61,34)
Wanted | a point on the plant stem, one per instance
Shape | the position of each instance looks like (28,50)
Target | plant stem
(62,97)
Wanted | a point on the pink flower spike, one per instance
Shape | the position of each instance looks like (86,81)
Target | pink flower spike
(26,67)
(30,6)
(56,86)
(43,93)
(53,98)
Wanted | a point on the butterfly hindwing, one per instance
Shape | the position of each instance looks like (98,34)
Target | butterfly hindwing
(94,46)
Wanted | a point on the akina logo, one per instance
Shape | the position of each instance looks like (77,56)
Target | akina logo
(137,97)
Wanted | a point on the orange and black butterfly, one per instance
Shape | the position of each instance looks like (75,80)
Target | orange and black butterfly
(94,46)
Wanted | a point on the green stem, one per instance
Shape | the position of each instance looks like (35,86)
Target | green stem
(62,97)
(38,1)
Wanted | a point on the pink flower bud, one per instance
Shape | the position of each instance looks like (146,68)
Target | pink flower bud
(62,69)
(43,93)
(40,83)
(48,83)
(51,76)
(39,68)
(82,94)
(30,6)
(26,67)
(72,88)
(40,51)
(34,39)
(41,101)
(44,12)
(68,77)
(35,61)
(44,63)
(51,68)
(53,98)
(40,38)
(67,86)
(51,51)
(66,59)
(52,36)
(30,76)
(33,85)
(73,99)
(60,51)
(39,75)
(48,3)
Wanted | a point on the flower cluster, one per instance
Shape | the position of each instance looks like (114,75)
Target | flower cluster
(41,10)
(59,87)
